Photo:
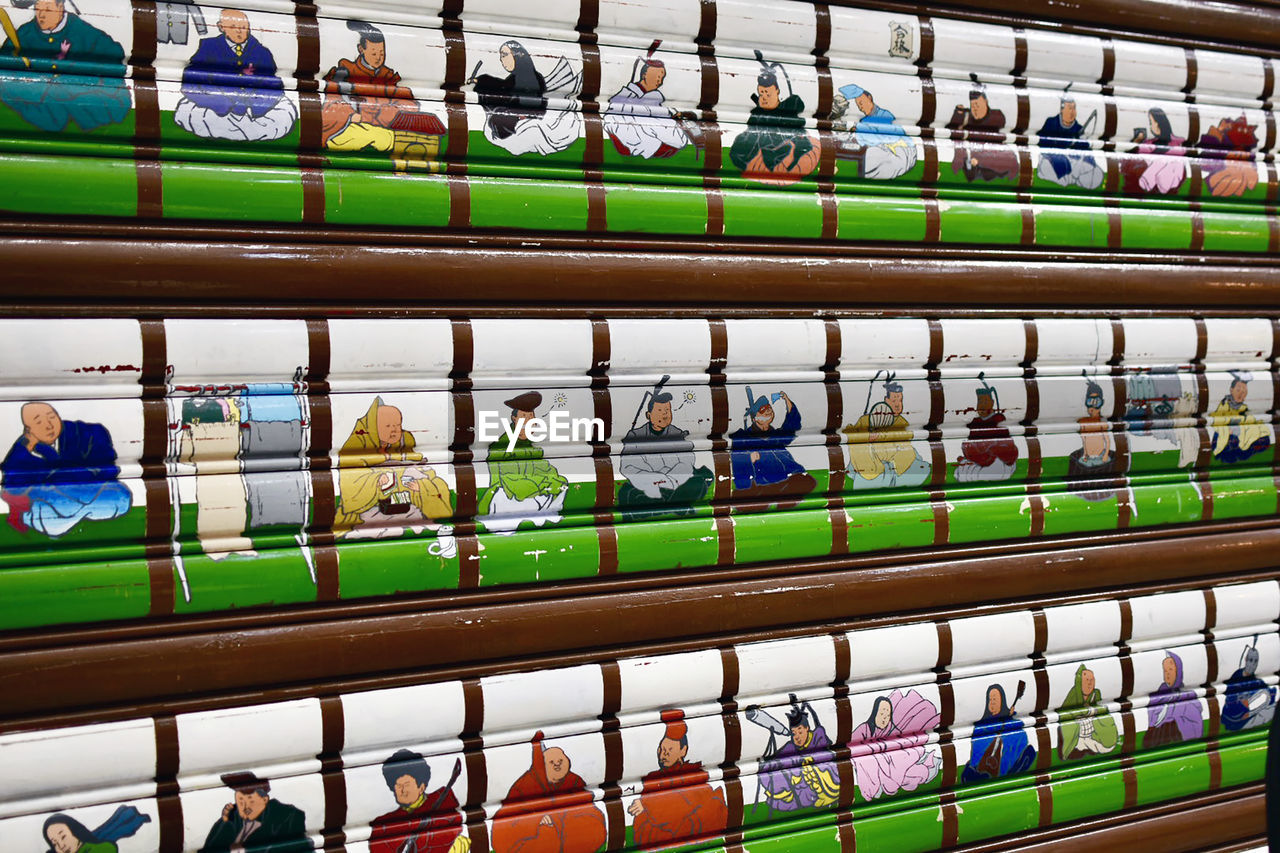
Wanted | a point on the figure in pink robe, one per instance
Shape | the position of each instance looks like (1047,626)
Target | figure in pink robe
(889,750)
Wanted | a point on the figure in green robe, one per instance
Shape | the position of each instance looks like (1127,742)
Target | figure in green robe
(775,148)
(1086,727)
(523,486)
(61,70)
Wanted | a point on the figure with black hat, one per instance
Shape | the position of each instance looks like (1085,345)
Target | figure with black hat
(775,148)
(986,156)
(59,70)
(676,802)
(637,120)
(1063,131)
(1237,434)
(523,486)
(424,821)
(881,452)
(802,773)
(762,465)
(657,460)
(990,453)
(1249,702)
(1095,458)
(255,822)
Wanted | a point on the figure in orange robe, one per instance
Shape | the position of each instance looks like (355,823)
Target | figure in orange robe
(548,809)
(676,802)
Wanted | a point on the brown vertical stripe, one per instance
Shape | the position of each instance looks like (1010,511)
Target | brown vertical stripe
(1193,73)
(146,113)
(1019,53)
(1126,674)
(950,820)
(1268,80)
(1041,678)
(1041,623)
(472,723)
(731,680)
(928,115)
(822,29)
(1215,764)
(1130,777)
(1044,742)
(1044,794)
(455,53)
(168,805)
(926,42)
(310,124)
(333,736)
(1108,65)
(945,645)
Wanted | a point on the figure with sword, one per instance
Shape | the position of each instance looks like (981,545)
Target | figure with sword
(802,773)
(637,120)
(61,70)
(657,460)
(1062,131)
(422,822)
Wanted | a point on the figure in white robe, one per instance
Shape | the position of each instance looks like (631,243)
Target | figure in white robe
(637,119)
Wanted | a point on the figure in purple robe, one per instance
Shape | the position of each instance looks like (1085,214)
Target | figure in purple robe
(889,753)
(802,773)
(60,473)
(1173,712)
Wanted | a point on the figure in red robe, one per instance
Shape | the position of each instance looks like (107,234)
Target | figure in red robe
(424,822)
(548,809)
(990,453)
(676,803)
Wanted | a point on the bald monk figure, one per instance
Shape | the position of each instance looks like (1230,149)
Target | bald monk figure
(60,473)
(230,89)
(382,491)
(548,809)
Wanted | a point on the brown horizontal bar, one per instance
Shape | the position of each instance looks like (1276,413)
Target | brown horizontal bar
(267,657)
(136,273)
(1221,24)
(1208,821)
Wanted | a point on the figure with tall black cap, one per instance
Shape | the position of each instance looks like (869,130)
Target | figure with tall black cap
(255,822)
(657,460)
(802,773)
(990,454)
(982,153)
(775,148)
(762,465)
(59,70)
(1237,433)
(637,119)
(881,452)
(523,486)
(1062,131)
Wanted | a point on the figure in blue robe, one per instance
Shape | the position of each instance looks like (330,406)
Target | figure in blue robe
(230,89)
(1250,703)
(59,473)
(999,744)
(762,465)
(1068,170)
(63,71)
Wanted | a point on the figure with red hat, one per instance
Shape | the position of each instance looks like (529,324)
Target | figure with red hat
(548,809)
(256,822)
(676,802)
(637,120)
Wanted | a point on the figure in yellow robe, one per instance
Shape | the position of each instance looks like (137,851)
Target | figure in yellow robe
(1237,434)
(881,455)
(382,491)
